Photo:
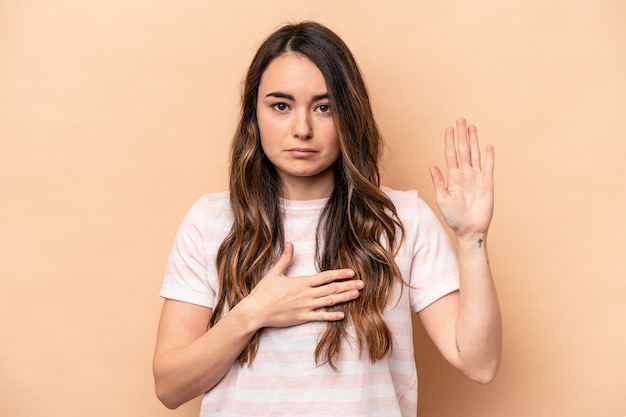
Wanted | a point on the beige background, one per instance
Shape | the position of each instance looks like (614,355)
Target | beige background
(115,116)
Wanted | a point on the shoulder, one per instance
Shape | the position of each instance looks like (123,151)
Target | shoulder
(209,209)
(408,203)
(418,218)
(211,203)
(216,200)
(399,196)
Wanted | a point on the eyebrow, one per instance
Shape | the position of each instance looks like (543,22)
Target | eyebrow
(279,94)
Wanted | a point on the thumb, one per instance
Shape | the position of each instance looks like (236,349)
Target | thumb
(285,259)
(437,178)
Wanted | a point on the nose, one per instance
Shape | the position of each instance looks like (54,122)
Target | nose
(302,128)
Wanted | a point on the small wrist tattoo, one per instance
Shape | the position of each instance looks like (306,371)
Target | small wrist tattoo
(480,242)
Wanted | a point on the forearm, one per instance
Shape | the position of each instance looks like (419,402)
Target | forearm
(183,373)
(479,326)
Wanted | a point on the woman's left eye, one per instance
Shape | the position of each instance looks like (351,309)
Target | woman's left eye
(324,108)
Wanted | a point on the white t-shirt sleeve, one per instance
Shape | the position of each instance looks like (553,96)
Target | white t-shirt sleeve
(190,265)
(434,267)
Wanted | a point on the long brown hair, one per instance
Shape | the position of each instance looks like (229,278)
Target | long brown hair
(359,227)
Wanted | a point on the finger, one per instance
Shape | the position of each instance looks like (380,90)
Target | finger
(285,259)
(334,299)
(437,178)
(490,158)
(463,144)
(326,316)
(474,146)
(330,276)
(450,149)
(338,288)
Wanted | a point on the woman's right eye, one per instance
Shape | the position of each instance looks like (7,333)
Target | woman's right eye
(281,107)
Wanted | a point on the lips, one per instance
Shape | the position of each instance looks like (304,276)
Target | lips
(301,152)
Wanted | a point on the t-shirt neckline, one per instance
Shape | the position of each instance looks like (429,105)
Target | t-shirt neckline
(303,204)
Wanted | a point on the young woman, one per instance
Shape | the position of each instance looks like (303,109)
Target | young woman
(291,294)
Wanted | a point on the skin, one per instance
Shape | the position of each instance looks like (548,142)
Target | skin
(191,358)
(296,124)
(466,325)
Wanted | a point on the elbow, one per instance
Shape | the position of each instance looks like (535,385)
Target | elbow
(167,401)
(167,398)
(168,391)
(484,374)
(484,378)
(481,365)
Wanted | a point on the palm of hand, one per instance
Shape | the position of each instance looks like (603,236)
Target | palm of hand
(466,201)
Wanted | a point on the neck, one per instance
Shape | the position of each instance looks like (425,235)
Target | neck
(308,188)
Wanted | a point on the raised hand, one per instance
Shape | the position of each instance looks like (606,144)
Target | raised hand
(281,301)
(466,200)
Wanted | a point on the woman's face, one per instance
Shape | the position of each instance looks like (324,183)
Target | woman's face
(296,125)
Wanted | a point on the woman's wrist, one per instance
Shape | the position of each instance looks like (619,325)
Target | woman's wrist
(247,316)
(478,239)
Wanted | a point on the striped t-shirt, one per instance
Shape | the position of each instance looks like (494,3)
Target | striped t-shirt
(284,379)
